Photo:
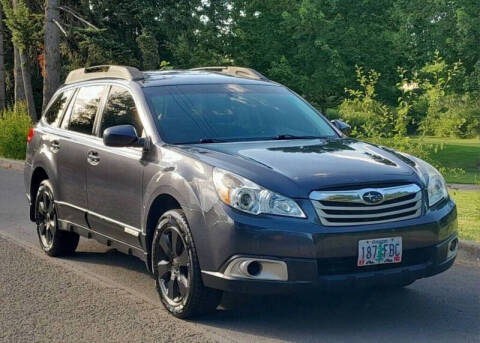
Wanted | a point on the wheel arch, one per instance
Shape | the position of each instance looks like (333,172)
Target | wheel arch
(159,205)
(39,174)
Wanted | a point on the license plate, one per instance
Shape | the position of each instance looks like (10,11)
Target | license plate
(379,251)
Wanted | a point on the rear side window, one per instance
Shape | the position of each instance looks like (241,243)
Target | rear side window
(120,109)
(54,113)
(85,109)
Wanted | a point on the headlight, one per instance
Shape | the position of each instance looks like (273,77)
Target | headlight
(436,186)
(246,196)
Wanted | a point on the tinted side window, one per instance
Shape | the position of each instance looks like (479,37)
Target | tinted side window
(54,113)
(85,108)
(120,109)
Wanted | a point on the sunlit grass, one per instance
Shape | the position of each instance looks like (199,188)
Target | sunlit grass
(468,207)
(457,153)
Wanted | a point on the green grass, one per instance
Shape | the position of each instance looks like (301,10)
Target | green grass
(468,207)
(458,153)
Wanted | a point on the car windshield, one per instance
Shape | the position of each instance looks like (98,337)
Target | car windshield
(233,112)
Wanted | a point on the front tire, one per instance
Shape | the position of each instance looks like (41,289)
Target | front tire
(176,269)
(53,241)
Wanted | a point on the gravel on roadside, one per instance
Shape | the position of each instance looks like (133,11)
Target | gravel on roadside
(11,164)
(463,187)
(41,301)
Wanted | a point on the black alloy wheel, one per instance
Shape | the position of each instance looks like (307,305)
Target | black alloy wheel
(177,271)
(46,218)
(53,241)
(174,268)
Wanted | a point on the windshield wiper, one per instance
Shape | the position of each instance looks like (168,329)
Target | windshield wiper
(203,141)
(287,136)
(211,140)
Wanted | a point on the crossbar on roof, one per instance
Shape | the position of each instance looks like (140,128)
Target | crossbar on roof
(104,71)
(235,71)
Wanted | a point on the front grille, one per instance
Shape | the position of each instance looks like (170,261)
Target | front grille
(350,207)
(348,265)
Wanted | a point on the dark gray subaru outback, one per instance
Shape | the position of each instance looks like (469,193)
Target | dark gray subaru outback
(221,180)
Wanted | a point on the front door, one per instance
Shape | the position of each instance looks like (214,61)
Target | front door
(114,175)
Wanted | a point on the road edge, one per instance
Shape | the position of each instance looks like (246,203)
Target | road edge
(469,251)
(7,163)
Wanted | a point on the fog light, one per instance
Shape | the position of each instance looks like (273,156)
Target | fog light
(452,248)
(257,268)
(453,245)
(254,268)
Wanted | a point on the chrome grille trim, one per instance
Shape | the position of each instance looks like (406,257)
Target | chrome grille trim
(397,208)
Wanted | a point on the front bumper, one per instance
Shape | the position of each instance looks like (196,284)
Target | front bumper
(326,258)
(337,274)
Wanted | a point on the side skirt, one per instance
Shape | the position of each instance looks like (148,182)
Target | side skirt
(104,239)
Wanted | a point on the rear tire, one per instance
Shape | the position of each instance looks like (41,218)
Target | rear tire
(176,269)
(53,241)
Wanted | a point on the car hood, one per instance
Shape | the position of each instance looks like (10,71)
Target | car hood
(297,167)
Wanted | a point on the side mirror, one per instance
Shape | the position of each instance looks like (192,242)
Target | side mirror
(122,136)
(342,126)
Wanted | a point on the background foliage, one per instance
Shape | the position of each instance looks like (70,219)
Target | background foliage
(313,46)
(14,125)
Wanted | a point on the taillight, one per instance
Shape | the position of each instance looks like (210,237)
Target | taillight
(31,132)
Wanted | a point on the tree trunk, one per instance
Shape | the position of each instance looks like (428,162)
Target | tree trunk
(27,82)
(2,65)
(17,75)
(17,71)
(51,79)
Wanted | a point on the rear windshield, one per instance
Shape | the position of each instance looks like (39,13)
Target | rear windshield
(232,112)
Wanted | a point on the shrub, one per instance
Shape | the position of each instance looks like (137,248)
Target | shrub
(447,114)
(454,116)
(14,125)
(362,110)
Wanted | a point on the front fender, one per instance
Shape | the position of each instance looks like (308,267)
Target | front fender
(189,182)
(176,187)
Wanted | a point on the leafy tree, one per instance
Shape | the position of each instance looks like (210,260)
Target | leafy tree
(26,28)
(148,45)
(468,40)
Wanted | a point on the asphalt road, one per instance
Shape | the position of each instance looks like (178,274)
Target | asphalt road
(443,308)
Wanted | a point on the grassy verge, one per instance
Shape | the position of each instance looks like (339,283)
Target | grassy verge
(468,207)
(458,153)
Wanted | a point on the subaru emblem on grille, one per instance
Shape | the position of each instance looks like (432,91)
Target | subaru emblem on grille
(372,197)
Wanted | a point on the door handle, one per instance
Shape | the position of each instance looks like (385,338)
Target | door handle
(93,158)
(54,146)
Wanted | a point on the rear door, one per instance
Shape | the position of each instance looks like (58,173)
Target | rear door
(114,179)
(74,140)
(50,133)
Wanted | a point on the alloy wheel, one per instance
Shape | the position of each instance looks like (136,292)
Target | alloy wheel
(174,269)
(46,219)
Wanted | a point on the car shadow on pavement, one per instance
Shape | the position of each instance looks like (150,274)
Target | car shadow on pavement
(356,315)
(111,258)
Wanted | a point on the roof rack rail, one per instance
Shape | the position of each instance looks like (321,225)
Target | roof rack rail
(104,71)
(235,71)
